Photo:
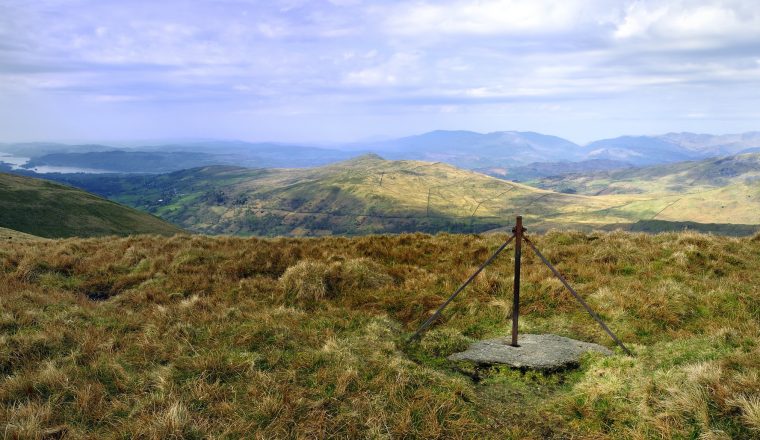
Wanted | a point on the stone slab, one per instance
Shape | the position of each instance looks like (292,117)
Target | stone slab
(537,352)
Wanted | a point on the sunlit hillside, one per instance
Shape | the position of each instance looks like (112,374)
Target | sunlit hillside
(724,190)
(200,337)
(372,195)
(678,178)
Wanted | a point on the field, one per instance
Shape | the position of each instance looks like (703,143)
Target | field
(194,337)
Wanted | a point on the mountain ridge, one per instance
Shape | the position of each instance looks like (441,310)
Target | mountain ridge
(461,148)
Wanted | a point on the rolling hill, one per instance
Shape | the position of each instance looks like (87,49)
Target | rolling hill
(125,161)
(508,154)
(373,195)
(10,235)
(167,158)
(677,178)
(363,195)
(724,190)
(468,149)
(36,149)
(49,209)
(538,170)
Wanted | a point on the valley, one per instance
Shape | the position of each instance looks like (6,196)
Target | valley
(372,195)
(515,155)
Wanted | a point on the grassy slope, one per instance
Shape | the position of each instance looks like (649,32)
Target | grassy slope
(682,177)
(10,234)
(725,190)
(365,195)
(656,226)
(48,209)
(224,337)
(371,195)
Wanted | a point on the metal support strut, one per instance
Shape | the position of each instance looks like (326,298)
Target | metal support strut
(437,313)
(518,231)
(519,237)
(578,297)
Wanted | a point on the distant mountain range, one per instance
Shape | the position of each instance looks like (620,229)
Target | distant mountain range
(537,170)
(166,158)
(510,149)
(506,154)
(467,149)
(672,147)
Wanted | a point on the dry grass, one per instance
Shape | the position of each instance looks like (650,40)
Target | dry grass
(194,337)
(305,282)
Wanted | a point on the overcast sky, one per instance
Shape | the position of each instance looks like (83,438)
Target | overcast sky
(341,70)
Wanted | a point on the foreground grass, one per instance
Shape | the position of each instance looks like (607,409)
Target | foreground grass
(193,337)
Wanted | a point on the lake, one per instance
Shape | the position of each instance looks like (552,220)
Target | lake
(16,163)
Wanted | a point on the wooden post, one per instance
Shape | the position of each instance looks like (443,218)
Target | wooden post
(516,299)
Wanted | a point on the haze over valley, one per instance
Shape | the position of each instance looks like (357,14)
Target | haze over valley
(503,151)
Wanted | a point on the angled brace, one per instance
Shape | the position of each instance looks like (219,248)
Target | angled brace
(578,297)
(437,313)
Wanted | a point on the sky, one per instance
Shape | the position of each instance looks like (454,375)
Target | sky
(348,70)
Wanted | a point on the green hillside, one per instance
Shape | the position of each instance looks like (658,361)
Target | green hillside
(678,178)
(364,195)
(10,235)
(724,190)
(49,209)
(373,195)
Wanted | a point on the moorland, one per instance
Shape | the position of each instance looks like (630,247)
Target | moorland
(195,337)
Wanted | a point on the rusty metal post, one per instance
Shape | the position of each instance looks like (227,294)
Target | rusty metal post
(518,231)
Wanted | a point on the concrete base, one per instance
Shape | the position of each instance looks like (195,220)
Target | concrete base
(536,352)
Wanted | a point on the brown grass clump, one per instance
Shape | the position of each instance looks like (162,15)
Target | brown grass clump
(305,282)
(309,281)
(750,409)
(359,273)
(443,342)
(201,337)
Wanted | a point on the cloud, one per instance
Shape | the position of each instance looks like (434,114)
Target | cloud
(395,57)
(499,17)
(398,68)
(708,23)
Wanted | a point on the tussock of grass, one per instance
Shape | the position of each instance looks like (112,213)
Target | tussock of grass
(309,281)
(305,282)
(193,337)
